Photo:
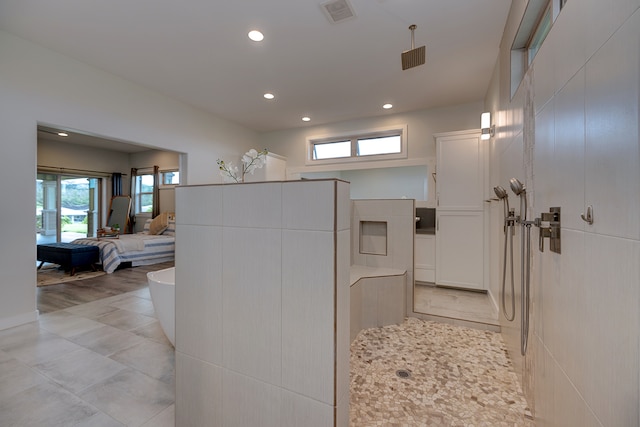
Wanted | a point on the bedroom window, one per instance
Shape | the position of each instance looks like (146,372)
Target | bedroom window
(169,178)
(376,144)
(143,193)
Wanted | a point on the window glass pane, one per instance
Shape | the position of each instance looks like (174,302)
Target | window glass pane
(332,150)
(171,178)
(381,145)
(146,183)
(146,202)
(539,34)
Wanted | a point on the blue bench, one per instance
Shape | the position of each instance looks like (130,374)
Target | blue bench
(68,255)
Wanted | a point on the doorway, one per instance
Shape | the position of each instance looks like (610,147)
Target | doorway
(67,207)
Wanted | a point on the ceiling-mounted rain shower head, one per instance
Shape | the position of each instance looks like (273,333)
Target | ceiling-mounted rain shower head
(415,56)
(517,186)
(500,192)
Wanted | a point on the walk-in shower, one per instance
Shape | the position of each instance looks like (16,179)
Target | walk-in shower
(509,229)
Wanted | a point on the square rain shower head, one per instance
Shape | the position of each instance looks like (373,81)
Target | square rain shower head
(413,58)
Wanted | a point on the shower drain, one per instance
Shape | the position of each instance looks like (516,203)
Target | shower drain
(402,373)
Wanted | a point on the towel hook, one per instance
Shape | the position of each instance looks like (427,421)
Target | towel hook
(589,217)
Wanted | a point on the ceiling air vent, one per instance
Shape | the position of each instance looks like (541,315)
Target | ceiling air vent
(338,10)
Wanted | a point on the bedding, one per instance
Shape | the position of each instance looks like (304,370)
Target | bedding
(138,249)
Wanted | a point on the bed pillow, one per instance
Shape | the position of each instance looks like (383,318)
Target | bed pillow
(171,228)
(147,225)
(159,224)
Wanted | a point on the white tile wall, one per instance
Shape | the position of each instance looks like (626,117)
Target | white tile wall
(251,302)
(256,205)
(585,314)
(198,392)
(262,313)
(611,327)
(206,198)
(317,213)
(612,149)
(199,292)
(308,293)
(568,159)
(298,410)
(248,402)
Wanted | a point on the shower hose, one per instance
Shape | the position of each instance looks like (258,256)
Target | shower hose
(508,242)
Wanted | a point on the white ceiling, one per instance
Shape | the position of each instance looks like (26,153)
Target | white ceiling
(197,51)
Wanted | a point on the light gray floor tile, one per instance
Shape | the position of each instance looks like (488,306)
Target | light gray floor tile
(32,346)
(142,293)
(131,397)
(99,420)
(166,418)
(136,305)
(91,310)
(80,369)
(44,405)
(16,377)
(125,320)
(154,359)
(455,303)
(152,331)
(66,324)
(107,340)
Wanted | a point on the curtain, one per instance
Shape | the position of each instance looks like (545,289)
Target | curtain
(132,213)
(116,184)
(155,210)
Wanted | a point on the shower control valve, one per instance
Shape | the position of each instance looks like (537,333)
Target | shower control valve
(549,224)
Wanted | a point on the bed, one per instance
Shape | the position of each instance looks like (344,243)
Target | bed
(138,249)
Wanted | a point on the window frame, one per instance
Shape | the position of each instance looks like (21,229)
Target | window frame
(137,196)
(162,173)
(354,137)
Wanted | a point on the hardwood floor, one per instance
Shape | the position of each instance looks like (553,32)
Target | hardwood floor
(58,297)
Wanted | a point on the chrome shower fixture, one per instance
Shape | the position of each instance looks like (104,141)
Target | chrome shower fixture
(509,229)
(525,262)
(501,193)
(517,186)
(520,190)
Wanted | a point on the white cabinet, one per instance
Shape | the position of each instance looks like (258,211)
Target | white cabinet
(425,258)
(460,210)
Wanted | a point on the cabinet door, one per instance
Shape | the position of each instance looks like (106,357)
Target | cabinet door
(460,173)
(459,249)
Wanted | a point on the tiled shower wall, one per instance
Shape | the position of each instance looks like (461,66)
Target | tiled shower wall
(580,146)
(262,304)
(399,217)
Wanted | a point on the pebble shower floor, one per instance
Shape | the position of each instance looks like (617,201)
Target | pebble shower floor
(457,377)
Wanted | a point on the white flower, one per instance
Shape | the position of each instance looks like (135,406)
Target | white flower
(251,161)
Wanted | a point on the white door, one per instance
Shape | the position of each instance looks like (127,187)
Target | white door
(459,256)
(460,210)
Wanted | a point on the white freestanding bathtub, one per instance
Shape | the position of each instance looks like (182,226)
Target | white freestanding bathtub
(162,288)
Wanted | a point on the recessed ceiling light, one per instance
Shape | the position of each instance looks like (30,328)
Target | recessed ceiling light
(306,119)
(387,106)
(63,134)
(256,35)
(269,96)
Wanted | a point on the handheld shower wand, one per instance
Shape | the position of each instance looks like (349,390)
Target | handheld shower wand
(525,269)
(509,218)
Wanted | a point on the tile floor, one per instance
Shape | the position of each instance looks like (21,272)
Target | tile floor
(446,304)
(97,357)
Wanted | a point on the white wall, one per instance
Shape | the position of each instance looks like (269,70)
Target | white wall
(421,125)
(571,134)
(38,85)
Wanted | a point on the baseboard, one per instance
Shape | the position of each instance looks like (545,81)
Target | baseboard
(20,319)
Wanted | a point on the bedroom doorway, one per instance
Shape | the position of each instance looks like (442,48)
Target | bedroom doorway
(67,206)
